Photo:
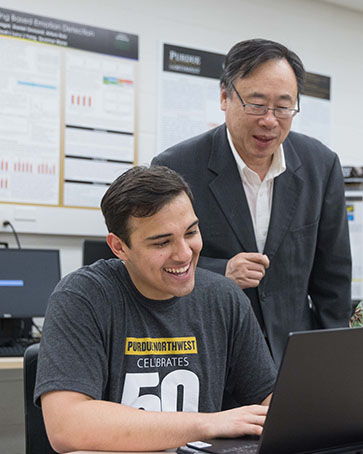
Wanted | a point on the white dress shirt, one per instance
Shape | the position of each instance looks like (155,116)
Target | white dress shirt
(259,193)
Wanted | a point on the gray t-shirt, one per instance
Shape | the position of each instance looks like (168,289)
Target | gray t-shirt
(102,338)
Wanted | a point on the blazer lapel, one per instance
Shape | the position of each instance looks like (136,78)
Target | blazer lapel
(228,190)
(287,189)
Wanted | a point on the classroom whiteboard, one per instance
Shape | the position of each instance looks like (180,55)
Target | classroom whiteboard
(67,121)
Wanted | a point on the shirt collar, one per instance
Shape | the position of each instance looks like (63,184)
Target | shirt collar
(277,167)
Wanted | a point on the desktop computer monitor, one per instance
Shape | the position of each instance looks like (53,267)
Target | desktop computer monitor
(27,278)
(94,250)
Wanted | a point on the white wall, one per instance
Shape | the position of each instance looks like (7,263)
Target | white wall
(328,39)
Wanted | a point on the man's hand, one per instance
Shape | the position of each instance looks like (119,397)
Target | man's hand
(75,422)
(247,269)
(248,420)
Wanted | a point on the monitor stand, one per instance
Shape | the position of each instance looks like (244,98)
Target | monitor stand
(12,329)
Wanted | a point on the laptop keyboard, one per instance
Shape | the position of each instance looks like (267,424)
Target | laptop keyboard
(246,449)
(248,446)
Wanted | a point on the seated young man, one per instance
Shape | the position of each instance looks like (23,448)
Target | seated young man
(138,352)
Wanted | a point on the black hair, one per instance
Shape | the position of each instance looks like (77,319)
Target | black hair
(140,192)
(246,56)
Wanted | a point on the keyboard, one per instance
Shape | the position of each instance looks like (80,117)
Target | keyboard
(13,349)
(248,447)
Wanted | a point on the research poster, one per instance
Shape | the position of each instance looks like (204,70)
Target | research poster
(188,94)
(354,203)
(29,122)
(315,116)
(67,121)
(99,125)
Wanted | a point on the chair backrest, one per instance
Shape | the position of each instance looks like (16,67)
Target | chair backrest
(36,440)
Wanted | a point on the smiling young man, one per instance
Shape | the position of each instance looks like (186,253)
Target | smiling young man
(270,202)
(144,353)
(159,265)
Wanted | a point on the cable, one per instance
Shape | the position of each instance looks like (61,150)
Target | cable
(37,327)
(8,223)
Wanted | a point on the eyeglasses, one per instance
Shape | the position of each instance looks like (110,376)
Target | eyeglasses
(257,109)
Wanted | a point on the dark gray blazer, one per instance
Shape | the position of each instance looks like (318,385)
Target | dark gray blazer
(307,241)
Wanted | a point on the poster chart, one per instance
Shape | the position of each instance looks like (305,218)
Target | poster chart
(67,123)
(188,94)
(29,122)
(315,116)
(354,203)
(99,125)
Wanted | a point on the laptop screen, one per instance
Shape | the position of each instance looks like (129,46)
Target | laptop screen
(318,398)
(317,403)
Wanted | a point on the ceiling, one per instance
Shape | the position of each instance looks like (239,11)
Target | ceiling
(355,5)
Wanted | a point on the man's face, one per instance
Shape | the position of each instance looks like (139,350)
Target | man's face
(256,138)
(164,250)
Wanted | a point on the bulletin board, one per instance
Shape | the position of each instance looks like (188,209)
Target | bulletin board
(67,121)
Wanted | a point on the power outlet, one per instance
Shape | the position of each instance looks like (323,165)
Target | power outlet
(2,230)
(2,220)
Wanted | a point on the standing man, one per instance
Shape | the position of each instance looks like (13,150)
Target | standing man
(138,352)
(270,202)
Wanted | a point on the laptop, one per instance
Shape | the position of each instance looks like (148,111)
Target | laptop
(317,403)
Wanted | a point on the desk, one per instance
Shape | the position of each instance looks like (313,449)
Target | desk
(12,422)
(11,363)
(121,452)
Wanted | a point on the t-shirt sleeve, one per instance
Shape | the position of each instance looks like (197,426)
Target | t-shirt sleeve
(72,355)
(252,372)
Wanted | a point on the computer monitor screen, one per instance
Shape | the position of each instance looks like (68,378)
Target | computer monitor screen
(94,250)
(27,278)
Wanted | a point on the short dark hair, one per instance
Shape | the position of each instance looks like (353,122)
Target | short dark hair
(140,192)
(246,56)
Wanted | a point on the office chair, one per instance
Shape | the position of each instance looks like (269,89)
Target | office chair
(36,440)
